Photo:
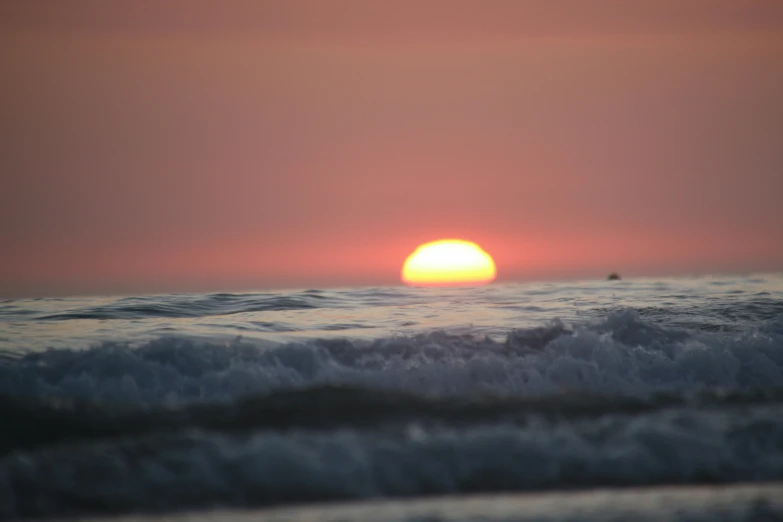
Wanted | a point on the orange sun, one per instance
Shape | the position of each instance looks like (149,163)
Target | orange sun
(448,262)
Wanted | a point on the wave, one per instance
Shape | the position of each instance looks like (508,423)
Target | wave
(190,306)
(716,316)
(723,313)
(178,423)
(202,468)
(619,353)
(39,422)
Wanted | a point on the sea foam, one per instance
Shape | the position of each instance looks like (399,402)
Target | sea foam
(618,353)
(204,469)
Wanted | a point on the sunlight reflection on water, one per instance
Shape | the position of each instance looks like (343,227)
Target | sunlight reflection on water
(365,313)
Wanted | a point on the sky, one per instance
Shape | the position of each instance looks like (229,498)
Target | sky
(194,145)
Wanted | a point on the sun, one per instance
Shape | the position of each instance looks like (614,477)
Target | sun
(448,262)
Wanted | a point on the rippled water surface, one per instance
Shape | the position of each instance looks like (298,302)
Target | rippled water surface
(717,303)
(191,402)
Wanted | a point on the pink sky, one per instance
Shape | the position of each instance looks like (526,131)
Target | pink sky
(194,145)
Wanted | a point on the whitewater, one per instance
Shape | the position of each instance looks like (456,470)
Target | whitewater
(590,400)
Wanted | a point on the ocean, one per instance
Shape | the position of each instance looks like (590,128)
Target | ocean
(643,399)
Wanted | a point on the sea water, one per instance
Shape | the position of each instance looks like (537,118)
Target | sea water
(407,402)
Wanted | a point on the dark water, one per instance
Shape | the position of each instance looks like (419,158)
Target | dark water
(165,403)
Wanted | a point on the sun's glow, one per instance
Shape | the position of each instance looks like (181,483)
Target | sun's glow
(448,262)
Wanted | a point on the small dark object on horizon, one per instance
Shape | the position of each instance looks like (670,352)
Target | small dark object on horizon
(614,276)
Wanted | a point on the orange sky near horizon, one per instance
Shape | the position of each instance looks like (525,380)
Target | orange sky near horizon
(243,145)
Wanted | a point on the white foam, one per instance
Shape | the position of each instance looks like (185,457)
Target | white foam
(198,469)
(618,354)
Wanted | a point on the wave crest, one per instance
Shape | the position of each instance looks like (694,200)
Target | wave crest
(620,353)
(198,469)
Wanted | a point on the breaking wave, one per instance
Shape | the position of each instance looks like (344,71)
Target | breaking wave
(620,353)
(185,423)
(207,468)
